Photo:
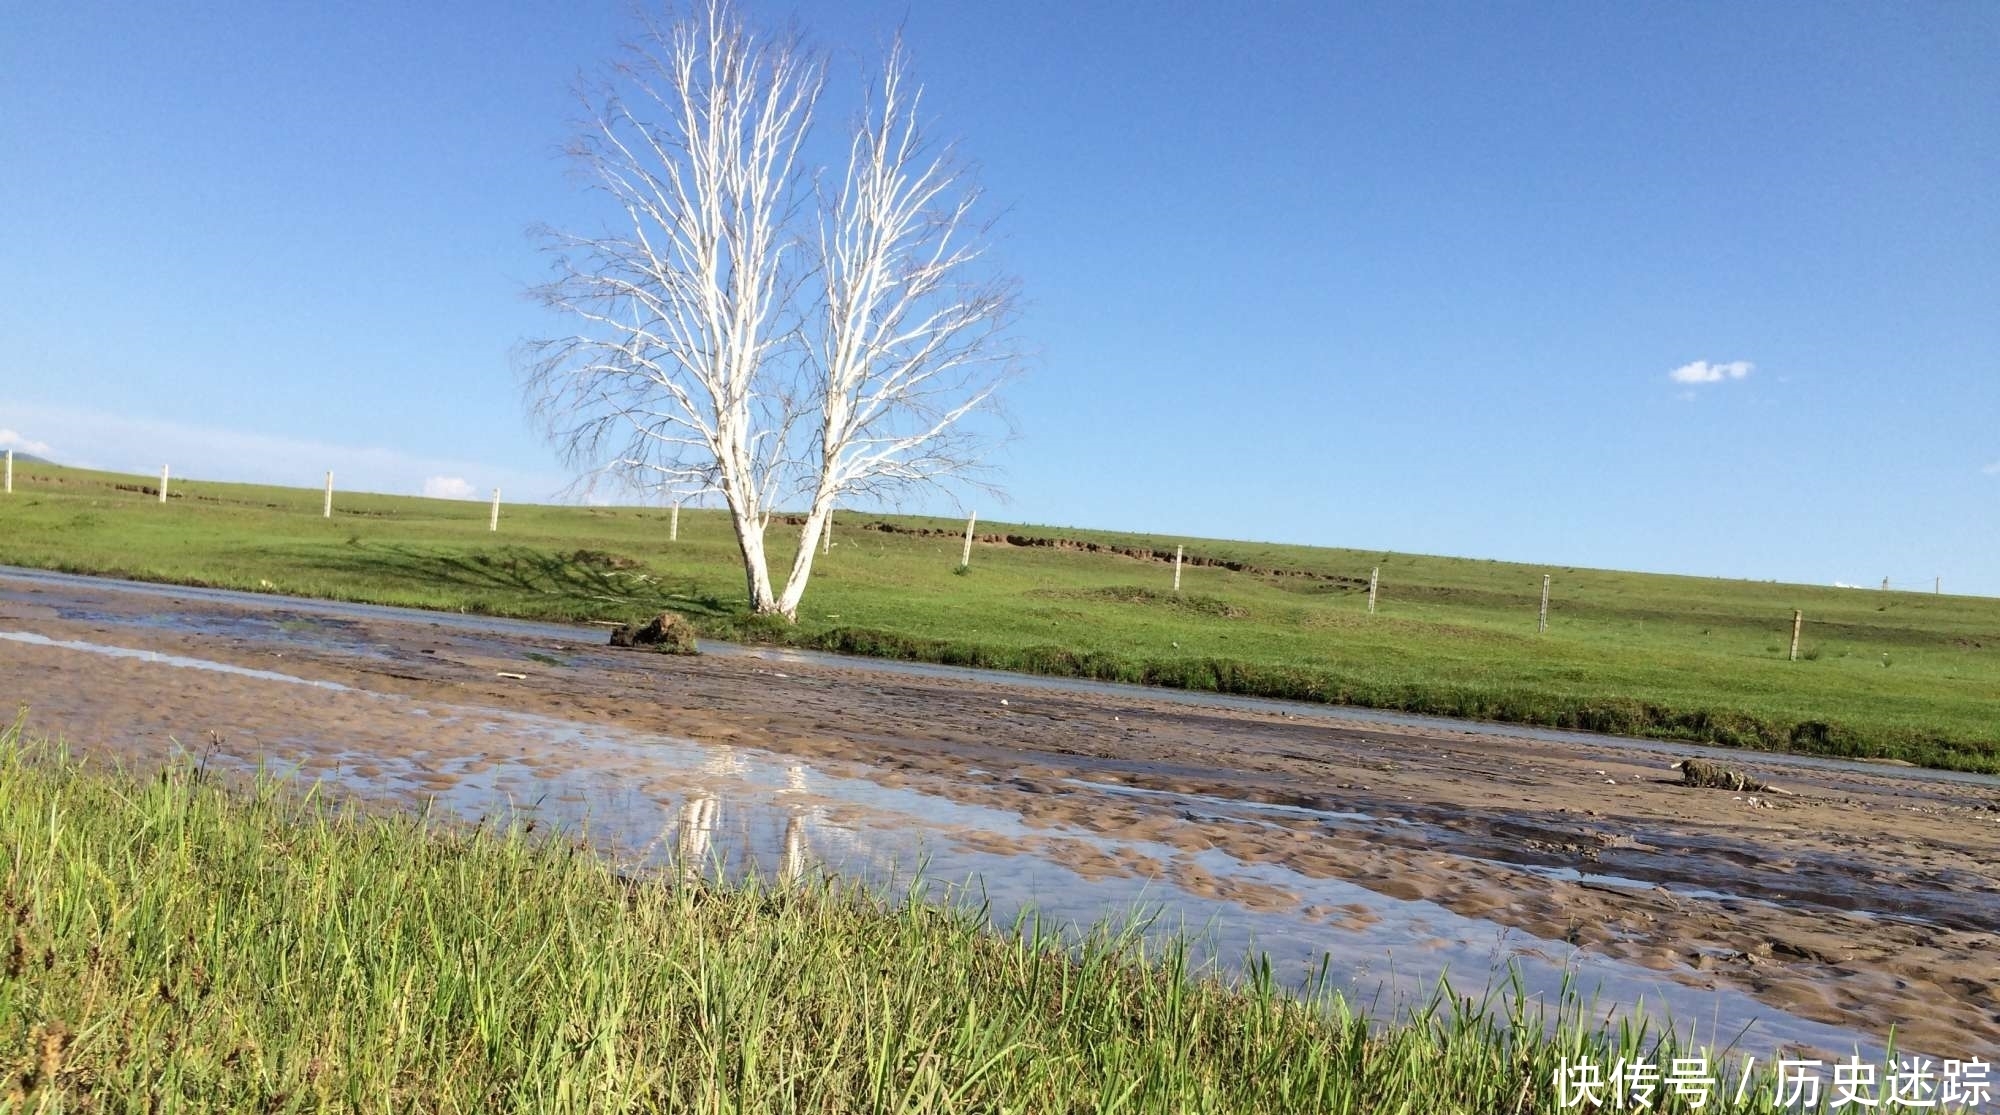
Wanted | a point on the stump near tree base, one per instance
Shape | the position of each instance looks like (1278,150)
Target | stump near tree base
(668,633)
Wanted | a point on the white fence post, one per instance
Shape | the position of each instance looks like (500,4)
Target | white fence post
(1798,621)
(674,523)
(965,559)
(326,510)
(10,472)
(1374,576)
(1177,567)
(493,523)
(163,483)
(1542,625)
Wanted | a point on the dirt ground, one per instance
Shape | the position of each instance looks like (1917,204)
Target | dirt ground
(1866,898)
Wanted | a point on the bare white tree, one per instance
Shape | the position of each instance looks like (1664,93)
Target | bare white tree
(742,332)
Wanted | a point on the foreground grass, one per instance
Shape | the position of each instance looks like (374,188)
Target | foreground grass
(1884,674)
(177,946)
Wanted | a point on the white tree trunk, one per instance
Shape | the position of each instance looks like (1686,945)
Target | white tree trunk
(756,569)
(749,522)
(795,583)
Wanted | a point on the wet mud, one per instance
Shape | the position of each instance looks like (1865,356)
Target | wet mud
(1863,898)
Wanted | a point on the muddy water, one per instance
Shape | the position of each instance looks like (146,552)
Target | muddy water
(1396,859)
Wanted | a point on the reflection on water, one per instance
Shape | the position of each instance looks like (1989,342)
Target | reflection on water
(695,842)
(697,834)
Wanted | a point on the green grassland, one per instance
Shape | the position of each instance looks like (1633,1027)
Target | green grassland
(1882,674)
(170,945)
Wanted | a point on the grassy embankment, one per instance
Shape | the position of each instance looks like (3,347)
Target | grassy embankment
(176,946)
(1886,674)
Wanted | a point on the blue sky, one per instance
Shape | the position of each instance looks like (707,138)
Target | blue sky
(1412,277)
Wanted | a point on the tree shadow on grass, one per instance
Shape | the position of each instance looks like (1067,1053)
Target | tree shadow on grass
(582,583)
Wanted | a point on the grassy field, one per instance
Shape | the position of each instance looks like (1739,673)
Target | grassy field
(1883,674)
(176,946)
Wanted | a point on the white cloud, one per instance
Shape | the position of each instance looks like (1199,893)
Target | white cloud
(11,440)
(1701,371)
(448,487)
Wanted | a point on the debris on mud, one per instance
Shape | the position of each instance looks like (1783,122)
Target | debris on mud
(668,633)
(1714,776)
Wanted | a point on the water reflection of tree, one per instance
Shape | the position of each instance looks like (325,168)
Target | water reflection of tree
(792,867)
(807,840)
(696,830)
(697,834)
